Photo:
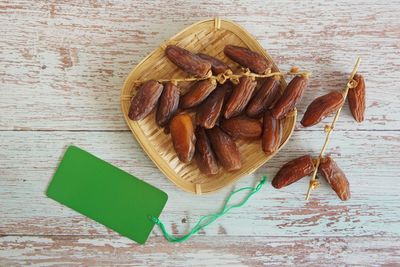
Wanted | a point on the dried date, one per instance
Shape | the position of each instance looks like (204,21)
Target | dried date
(335,177)
(356,98)
(205,156)
(145,100)
(183,137)
(247,58)
(240,97)
(293,171)
(168,104)
(264,97)
(225,149)
(290,97)
(321,107)
(197,93)
(242,128)
(209,111)
(187,61)
(272,133)
(217,66)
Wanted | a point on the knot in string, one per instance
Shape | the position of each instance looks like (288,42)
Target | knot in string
(352,84)
(328,128)
(314,184)
(234,79)
(246,71)
(268,71)
(222,77)
(294,69)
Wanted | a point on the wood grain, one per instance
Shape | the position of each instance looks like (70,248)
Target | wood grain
(242,251)
(63,64)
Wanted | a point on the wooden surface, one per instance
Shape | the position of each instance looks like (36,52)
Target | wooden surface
(62,66)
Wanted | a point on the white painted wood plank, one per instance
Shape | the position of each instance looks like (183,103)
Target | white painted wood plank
(63,63)
(28,160)
(201,251)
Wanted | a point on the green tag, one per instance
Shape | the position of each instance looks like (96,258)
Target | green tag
(106,194)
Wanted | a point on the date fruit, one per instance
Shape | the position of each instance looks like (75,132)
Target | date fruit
(293,171)
(247,58)
(225,149)
(183,137)
(356,98)
(272,133)
(168,104)
(187,61)
(240,97)
(197,93)
(335,177)
(242,128)
(209,111)
(264,97)
(321,107)
(290,97)
(205,157)
(217,66)
(145,100)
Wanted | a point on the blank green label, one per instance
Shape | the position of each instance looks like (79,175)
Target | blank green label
(106,194)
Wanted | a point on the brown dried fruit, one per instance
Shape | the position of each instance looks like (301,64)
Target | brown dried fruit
(188,61)
(240,97)
(335,177)
(247,58)
(356,98)
(210,110)
(205,157)
(321,107)
(183,138)
(145,100)
(290,97)
(197,93)
(168,104)
(225,149)
(293,171)
(272,133)
(229,89)
(242,128)
(264,97)
(217,66)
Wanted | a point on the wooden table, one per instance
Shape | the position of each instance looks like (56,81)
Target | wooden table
(62,66)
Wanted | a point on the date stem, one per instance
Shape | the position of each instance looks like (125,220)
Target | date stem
(329,129)
(246,72)
(228,75)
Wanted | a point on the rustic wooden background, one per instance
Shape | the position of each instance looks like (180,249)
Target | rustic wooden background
(62,64)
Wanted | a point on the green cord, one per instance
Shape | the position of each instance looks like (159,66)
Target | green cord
(208,219)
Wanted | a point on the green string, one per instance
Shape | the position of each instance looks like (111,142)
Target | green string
(208,219)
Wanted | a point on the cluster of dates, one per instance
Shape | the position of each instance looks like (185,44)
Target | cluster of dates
(320,108)
(224,112)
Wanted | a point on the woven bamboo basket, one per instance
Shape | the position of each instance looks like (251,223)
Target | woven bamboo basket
(210,37)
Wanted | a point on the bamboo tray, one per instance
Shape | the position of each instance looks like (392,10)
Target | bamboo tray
(210,37)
